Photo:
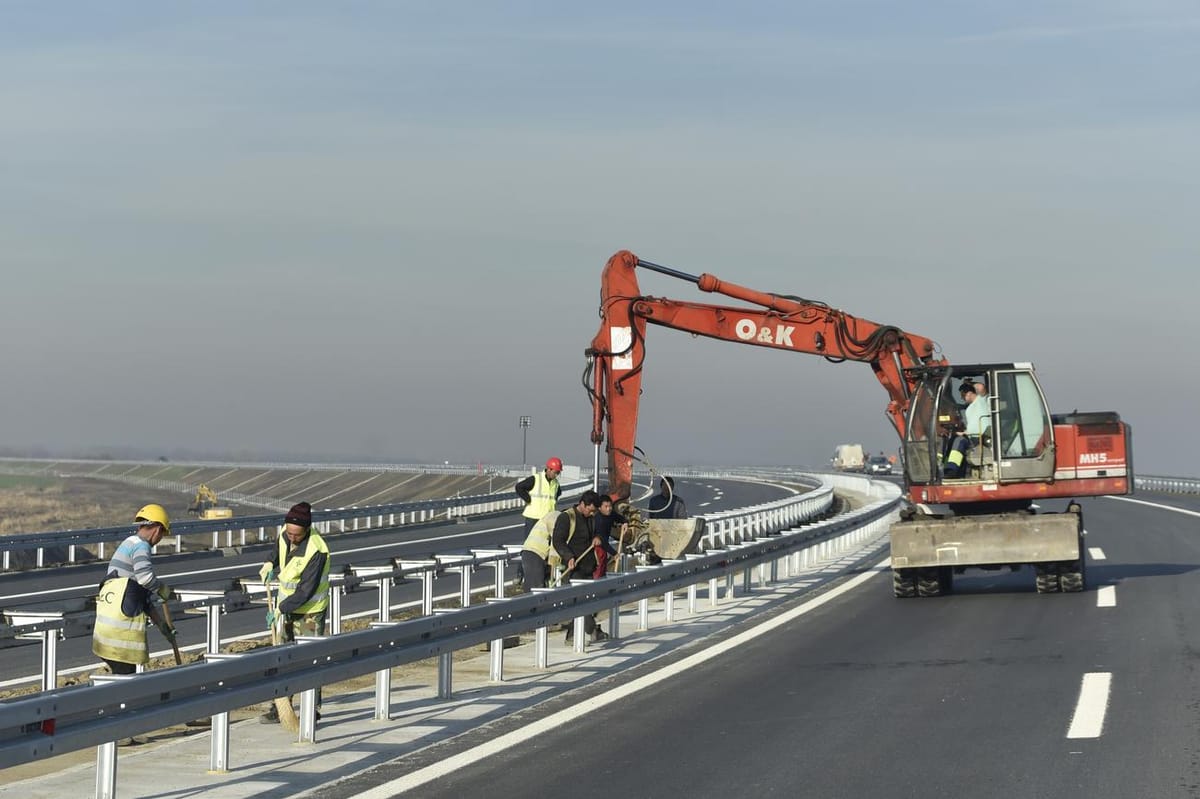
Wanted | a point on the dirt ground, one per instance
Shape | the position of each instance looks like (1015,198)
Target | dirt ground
(45,504)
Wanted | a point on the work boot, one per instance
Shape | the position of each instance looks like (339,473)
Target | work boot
(270,717)
(131,742)
(599,635)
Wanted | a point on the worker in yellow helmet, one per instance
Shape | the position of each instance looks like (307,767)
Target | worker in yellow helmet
(130,590)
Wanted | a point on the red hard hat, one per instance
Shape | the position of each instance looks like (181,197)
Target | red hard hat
(555,464)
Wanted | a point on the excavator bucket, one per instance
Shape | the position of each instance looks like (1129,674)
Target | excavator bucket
(674,538)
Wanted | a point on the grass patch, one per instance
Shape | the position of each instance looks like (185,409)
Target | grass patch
(26,481)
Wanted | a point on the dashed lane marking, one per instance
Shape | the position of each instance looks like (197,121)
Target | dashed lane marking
(1106,596)
(1096,552)
(1088,721)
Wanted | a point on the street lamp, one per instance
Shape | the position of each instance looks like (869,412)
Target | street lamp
(524,422)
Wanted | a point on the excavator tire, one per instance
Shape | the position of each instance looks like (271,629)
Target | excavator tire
(1071,577)
(929,582)
(1047,578)
(904,583)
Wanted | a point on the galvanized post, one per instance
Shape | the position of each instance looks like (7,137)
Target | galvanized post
(669,606)
(335,609)
(445,675)
(50,659)
(308,716)
(106,771)
(578,634)
(712,592)
(692,598)
(643,614)
(218,754)
(383,690)
(614,623)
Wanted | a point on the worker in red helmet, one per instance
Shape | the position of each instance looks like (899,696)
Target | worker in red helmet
(539,492)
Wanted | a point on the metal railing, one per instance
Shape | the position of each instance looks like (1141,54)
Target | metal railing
(243,530)
(68,719)
(1169,485)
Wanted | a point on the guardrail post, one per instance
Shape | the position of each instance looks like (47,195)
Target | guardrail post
(692,599)
(218,755)
(643,615)
(383,688)
(669,606)
(748,579)
(541,640)
(579,634)
(308,715)
(41,557)
(713,597)
(50,659)
(496,653)
(106,753)
(335,607)
(614,622)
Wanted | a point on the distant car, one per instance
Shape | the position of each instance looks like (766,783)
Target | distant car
(879,465)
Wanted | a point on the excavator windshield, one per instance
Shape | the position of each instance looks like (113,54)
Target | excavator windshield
(995,415)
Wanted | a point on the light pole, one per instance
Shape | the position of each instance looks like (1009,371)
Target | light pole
(524,422)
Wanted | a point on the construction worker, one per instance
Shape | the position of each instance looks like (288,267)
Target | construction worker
(301,562)
(666,504)
(539,492)
(575,542)
(130,591)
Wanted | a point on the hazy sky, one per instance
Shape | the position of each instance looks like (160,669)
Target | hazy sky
(377,229)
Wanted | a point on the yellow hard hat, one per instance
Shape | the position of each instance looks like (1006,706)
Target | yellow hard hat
(154,513)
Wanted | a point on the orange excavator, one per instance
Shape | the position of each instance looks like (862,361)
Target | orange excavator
(977,441)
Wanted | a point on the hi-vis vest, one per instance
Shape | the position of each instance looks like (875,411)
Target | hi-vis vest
(541,497)
(291,571)
(116,636)
(540,540)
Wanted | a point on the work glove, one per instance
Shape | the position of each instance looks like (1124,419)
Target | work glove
(168,631)
(267,572)
(165,592)
(271,616)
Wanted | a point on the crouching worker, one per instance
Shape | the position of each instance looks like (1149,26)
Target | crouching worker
(130,591)
(301,563)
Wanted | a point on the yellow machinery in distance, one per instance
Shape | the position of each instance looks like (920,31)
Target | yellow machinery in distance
(206,505)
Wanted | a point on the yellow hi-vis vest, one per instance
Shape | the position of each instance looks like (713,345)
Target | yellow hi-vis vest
(540,540)
(291,571)
(541,496)
(117,636)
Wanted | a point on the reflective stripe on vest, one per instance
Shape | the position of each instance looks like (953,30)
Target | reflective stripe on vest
(290,574)
(540,540)
(116,636)
(542,497)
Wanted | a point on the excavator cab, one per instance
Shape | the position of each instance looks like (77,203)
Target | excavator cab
(997,413)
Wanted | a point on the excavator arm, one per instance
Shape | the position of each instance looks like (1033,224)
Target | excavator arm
(779,321)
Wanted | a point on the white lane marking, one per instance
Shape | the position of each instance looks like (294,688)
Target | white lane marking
(1154,505)
(1106,596)
(341,553)
(1096,552)
(1088,721)
(542,726)
(705,504)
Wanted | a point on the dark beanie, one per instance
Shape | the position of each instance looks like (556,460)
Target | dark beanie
(301,514)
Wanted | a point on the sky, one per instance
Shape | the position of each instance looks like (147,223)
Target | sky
(373,230)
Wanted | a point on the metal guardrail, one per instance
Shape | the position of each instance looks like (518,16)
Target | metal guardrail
(69,719)
(1169,485)
(348,520)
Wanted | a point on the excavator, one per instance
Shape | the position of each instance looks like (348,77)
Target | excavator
(206,505)
(985,512)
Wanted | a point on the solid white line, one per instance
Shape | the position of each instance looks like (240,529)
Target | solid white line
(1106,596)
(1096,552)
(1088,721)
(542,726)
(1155,505)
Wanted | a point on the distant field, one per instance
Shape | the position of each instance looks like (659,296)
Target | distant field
(25,481)
(74,496)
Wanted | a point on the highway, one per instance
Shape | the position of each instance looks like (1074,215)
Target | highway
(45,587)
(994,691)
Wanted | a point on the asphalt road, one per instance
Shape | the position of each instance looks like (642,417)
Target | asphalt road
(45,588)
(975,694)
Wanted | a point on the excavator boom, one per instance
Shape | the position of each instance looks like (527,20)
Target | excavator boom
(780,322)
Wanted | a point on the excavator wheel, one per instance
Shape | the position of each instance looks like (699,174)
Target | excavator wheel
(929,582)
(904,583)
(1047,578)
